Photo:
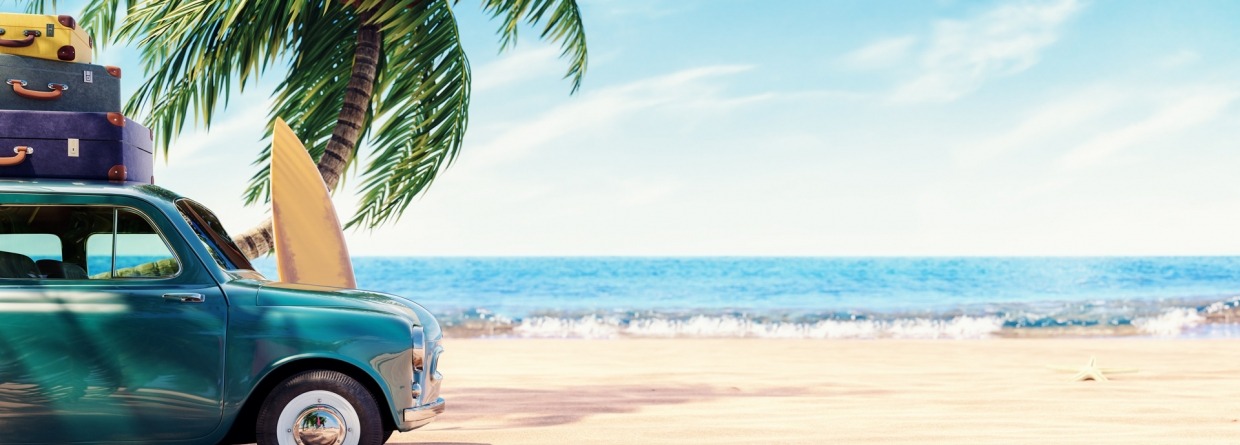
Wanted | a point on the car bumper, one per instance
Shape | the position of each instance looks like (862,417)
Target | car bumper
(419,416)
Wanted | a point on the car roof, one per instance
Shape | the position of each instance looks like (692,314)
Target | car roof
(147,192)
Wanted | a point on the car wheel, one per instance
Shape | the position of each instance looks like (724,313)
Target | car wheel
(320,408)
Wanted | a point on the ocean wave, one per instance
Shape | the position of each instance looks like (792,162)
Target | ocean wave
(702,326)
(1095,319)
(1170,323)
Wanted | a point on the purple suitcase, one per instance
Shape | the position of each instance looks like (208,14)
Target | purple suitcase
(67,145)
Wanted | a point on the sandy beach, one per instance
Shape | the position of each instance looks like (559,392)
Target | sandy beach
(749,391)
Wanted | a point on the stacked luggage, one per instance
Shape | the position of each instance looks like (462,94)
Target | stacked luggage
(60,114)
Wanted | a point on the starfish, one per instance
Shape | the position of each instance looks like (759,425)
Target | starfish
(1093,372)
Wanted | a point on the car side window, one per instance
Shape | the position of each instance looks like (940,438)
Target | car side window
(44,241)
(37,246)
(135,249)
(21,253)
(81,242)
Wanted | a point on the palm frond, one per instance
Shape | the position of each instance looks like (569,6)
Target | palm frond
(309,99)
(197,50)
(103,17)
(560,20)
(422,101)
(419,110)
(38,6)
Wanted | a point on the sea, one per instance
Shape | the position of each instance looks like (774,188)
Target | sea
(815,298)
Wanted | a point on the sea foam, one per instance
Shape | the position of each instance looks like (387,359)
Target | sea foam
(703,326)
(1170,323)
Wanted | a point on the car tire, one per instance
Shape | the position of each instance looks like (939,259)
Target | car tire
(320,407)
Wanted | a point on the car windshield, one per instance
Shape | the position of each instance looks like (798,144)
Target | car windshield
(212,234)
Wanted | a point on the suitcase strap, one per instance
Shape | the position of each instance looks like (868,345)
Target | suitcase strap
(18,159)
(19,88)
(29,40)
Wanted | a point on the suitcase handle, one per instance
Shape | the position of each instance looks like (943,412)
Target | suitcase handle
(19,87)
(29,40)
(14,160)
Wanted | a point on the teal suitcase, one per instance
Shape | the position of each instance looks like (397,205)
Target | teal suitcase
(44,85)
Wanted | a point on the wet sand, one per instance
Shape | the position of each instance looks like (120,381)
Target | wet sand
(748,391)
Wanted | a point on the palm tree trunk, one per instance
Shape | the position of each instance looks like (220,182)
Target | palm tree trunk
(259,240)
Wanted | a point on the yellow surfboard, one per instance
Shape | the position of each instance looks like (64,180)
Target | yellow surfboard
(310,246)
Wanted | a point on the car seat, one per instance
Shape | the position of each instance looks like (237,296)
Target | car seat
(16,265)
(60,269)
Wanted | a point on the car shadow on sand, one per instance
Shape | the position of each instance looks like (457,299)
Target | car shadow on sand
(488,408)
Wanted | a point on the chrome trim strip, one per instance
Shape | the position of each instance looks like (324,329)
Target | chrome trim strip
(115,221)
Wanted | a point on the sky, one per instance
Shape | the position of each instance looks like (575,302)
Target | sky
(815,128)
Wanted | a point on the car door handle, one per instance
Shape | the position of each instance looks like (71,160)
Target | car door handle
(185,298)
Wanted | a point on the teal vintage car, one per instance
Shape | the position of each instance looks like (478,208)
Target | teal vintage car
(128,315)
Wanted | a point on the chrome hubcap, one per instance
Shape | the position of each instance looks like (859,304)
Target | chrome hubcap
(318,418)
(319,425)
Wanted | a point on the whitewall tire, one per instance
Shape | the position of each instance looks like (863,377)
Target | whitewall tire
(320,408)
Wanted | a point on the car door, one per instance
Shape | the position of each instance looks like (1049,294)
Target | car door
(116,334)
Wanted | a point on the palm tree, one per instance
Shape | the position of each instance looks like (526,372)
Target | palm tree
(406,92)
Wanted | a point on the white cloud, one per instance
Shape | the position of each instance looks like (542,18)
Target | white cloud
(188,149)
(524,63)
(1065,114)
(964,54)
(687,88)
(1189,110)
(880,54)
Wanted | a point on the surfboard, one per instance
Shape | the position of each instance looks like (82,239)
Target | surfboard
(310,246)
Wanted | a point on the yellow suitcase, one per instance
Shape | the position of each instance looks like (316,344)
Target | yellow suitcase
(45,37)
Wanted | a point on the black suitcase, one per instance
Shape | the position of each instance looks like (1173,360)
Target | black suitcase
(60,145)
(46,85)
